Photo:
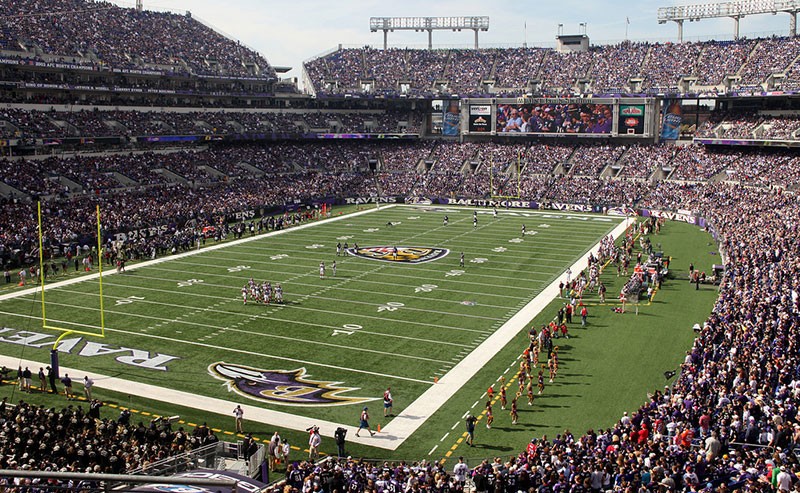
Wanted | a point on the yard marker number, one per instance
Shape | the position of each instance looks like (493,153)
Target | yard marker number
(279,256)
(454,273)
(391,306)
(479,260)
(425,288)
(238,268)
(350,329)
(129,300)
(189,282)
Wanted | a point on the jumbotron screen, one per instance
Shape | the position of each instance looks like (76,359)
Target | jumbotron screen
(555,118)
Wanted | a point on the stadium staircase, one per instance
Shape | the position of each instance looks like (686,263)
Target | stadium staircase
(251,169)
(170,176)
(9,192)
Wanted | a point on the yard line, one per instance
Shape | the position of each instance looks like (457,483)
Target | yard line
(444,437)
(337,300)
(434,448)
(273,319)
(392,293)
(327,311)
(352,261)
(416,277)
(262,334)
(189,253)
(241,351)
(456,424)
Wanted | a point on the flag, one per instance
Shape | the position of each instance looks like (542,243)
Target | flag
(627,20)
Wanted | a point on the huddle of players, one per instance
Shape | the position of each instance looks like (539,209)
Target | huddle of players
(261,293)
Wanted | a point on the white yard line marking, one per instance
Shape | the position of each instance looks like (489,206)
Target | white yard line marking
(166,392)
(177,320)
(251,317)
(324,311)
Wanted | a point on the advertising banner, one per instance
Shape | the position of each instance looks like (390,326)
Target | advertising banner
(480,118)
(672,117)
(631,119)
(451,118)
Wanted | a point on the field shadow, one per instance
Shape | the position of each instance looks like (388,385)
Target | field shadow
(502,448)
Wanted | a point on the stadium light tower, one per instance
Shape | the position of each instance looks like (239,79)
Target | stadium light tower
(735,10)
(429,24)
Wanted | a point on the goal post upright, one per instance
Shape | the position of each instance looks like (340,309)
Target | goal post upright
(65,331)
(41,261)
(100,272)
(518,180)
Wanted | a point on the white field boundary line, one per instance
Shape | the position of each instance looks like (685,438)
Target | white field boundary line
(198,402)
(415,415)
(147,263)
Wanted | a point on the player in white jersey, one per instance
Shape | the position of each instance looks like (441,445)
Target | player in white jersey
(244,294)
(322,270)
(278,294)
(333,266)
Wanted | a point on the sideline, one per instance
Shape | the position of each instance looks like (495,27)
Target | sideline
(397,431)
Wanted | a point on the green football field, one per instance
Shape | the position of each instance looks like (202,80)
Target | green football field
(338,342)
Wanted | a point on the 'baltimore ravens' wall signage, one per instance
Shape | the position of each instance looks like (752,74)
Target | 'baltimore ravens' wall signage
(284,387)
(407,255)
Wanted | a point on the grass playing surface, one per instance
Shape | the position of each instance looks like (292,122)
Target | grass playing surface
(377,324)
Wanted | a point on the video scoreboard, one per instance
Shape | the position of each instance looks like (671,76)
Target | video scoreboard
(561,117)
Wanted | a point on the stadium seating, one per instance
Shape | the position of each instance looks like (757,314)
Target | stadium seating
(103,34)
(628,67)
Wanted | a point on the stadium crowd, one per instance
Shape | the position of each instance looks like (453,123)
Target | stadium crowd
(608,69)
(100,33)
(24,123)
(74,439)
(205,185)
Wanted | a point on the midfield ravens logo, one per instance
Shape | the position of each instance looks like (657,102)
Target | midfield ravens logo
(408,255)
(284,387)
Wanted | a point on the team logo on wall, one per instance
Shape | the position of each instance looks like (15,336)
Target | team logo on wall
(408,255)
(284,387)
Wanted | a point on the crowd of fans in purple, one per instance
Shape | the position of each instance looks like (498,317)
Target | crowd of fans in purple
(610,69)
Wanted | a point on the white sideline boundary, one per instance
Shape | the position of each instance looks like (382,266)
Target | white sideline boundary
(394,434)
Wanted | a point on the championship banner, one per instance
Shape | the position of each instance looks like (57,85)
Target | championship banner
(480,118)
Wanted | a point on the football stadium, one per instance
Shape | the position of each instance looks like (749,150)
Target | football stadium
(560,267)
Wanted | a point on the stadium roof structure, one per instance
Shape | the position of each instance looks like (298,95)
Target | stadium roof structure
(429,24)
(735,10)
